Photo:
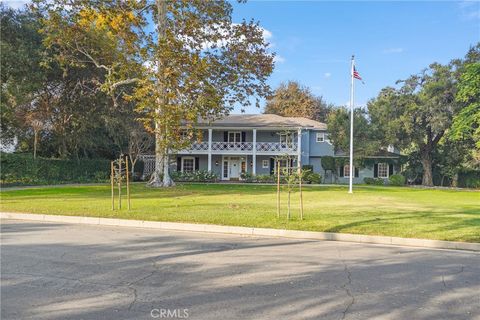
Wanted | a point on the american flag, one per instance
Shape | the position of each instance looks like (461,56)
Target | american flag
(356,75)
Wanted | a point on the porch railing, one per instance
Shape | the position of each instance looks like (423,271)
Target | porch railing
(276,146)
(232,146)
(244,146)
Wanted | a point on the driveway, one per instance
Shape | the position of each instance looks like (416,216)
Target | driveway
(66,271)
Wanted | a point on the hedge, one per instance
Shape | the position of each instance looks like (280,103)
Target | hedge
(22,169)
(469,179)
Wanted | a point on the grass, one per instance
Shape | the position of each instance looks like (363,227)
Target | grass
(390,211)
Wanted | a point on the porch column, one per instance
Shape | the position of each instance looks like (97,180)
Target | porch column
(209,149)
(299,147)
(254,153)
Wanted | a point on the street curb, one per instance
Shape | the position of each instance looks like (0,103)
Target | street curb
(247,231)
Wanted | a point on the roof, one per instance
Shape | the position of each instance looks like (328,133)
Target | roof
(263,120)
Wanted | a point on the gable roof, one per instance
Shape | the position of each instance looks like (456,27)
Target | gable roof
(263,120)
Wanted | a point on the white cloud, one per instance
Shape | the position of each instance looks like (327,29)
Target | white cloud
(15,4)
(393,50)
(327,75)
(267,34)
(278,59)
(469,10)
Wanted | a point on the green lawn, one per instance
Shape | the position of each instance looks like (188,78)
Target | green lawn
(392,211)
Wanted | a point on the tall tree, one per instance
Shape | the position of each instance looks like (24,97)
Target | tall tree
(195,62)
(365,143)
(293,100)
(419,113)
(466,125)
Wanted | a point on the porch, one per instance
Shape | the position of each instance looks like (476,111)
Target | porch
(253,145)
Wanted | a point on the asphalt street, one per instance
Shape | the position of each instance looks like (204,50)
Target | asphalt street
(66,271)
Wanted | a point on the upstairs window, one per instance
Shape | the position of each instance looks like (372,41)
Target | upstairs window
(320,137)
(286,140)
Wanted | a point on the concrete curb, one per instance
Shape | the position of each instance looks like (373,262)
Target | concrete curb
(247,231)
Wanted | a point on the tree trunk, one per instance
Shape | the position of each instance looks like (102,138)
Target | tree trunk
(133,161)
(427,179)
(167,180)
(156,178)
(161,167)
(455,180)
(35,138)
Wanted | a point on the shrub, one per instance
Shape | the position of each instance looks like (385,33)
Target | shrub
(22,169)
(374,181)
(308,167)
(396,180)
(312,177)
(247,177)
(469,179)
(195,176)
(265,178)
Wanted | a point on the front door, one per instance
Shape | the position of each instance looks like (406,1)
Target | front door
(234,168)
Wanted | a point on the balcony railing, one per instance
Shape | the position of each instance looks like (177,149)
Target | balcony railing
(244,146)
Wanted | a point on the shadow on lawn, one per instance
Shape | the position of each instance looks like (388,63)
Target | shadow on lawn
(125,273)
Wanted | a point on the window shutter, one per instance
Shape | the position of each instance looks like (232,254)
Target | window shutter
(244,136)
(179,164)
(390,169)
(197,163)
(225,136)
(272,165)
(375,170)
(341,171)
(356,172)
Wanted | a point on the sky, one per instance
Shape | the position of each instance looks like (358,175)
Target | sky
(391,40)
(314,41)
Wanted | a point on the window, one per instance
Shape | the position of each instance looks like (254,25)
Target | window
(346,171)
(188,164)
(382,170)
(286,140)
(320,137)
(225,168)
(265,164)
(234,136)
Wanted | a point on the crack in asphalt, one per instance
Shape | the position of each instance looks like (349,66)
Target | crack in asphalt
(462,268)
(344,286)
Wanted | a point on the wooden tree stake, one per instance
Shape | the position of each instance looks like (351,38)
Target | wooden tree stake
(128,182)
(301,194)
(112,178)
(120,184)
(278,189)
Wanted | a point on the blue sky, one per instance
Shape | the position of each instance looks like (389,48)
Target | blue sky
(390,40)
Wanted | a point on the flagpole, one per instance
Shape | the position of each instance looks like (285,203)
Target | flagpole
(352,88)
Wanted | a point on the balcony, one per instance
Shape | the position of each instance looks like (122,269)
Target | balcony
(242,148)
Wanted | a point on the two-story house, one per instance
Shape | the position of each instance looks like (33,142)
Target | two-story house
(251,143)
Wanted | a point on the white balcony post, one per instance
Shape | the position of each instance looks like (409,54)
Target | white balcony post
(209,149)
(254,153)
(299,147)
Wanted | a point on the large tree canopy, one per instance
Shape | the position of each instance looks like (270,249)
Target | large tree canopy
(293,100)
(187,59)
(418,115)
